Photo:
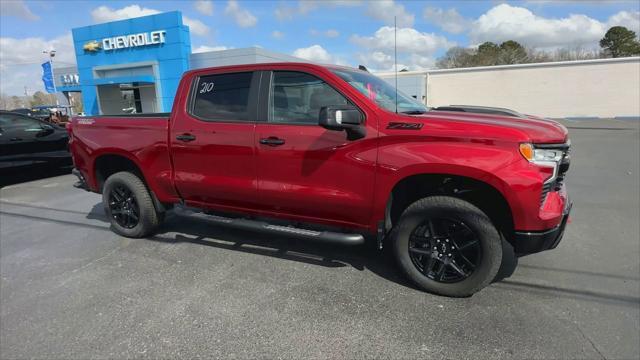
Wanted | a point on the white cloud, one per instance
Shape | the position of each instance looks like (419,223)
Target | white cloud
(20,61)
(377,60)
(17,8)
(206,48)
(315,53)
(408,40)
(506,22)
(628,19)
(196,26)
(277,34)
(416,50)
(286,12)
(387,10)
(383,61)
(105,14)
(204,7)
(448,20)
(242,17)
(331,33)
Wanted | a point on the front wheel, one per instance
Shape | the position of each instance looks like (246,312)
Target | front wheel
(447,246)
(129,205)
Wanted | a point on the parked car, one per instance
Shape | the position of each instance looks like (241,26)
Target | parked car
(29,142)
(38,112)
(332,152)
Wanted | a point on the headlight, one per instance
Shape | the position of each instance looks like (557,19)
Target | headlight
(543,157)
(537,155)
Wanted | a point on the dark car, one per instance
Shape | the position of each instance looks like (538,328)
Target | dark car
(28,142)
(38,112)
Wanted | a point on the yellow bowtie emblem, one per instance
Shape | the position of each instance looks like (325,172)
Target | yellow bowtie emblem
(91,46)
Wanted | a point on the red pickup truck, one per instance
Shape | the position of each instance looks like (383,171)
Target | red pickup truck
(335,154)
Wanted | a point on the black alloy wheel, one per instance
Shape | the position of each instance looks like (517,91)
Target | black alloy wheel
(123,207)
(444,250)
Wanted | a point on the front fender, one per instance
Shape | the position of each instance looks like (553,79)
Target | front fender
(495,163)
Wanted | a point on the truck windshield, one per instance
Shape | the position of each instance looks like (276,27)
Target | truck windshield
(380,91)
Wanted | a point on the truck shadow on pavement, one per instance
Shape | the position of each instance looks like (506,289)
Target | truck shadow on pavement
(187,229)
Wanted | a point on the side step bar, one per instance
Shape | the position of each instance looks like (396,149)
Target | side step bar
(261,226)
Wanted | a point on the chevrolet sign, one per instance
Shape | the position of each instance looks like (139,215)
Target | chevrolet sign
(91,46)
(134,40)
(126,41)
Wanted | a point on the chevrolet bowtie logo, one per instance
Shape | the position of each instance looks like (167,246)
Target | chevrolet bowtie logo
(91,46)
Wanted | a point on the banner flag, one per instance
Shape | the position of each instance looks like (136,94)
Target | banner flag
(47,77)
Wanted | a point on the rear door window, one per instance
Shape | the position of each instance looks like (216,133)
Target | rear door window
(222,97)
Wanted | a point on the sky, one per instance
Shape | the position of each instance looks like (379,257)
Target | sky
(347,32)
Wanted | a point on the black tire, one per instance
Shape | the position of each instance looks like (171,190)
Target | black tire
(148,218)
(489,247)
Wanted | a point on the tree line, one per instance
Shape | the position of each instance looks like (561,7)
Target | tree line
(617,42)
(38,98)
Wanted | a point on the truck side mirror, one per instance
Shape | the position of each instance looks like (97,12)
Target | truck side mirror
(343,117)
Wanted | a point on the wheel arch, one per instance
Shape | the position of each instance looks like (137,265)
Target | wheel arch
(109,163)
(482,193)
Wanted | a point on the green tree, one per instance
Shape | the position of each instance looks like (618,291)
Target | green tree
(619,42)
(40,98)
(487,54)
(511,52)
(456,57)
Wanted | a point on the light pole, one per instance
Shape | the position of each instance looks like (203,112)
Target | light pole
(51,54)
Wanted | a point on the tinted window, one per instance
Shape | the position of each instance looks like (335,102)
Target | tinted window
(298,97)
(223,97)
(10,121)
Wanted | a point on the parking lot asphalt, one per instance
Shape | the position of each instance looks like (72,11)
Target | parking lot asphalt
(70,288)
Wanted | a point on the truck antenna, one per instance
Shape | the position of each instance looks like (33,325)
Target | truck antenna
(395,56)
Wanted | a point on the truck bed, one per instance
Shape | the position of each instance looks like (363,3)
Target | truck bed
(140,137)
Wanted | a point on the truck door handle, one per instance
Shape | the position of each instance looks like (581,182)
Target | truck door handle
(272,141)
(15,139)
(185,137)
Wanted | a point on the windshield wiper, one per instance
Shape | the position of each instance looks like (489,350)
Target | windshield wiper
(413,112)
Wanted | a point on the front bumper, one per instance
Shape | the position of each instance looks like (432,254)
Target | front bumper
(526,243)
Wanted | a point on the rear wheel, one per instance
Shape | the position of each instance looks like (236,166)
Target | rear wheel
(447,246)
(129,205)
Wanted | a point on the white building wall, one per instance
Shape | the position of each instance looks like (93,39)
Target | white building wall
(251,55)
(110,99)
(148,99)
(590,88)
(600,88)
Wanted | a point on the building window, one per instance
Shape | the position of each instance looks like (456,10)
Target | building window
(223,97)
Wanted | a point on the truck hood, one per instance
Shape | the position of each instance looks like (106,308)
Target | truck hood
(531,128)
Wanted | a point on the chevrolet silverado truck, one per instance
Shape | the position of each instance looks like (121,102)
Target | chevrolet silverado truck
(337,155)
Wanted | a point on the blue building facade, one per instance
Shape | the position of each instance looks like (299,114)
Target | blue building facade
(142,58)
(135,65)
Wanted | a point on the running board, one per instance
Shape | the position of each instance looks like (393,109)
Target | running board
(261,226)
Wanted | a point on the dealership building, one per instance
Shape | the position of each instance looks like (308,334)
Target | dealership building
(136,64)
